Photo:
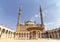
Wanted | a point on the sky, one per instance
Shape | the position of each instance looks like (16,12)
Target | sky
(30,11)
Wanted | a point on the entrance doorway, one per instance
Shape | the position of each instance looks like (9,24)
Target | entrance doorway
(34,34)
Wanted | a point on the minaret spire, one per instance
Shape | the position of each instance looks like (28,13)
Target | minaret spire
(19,14)
(41,15)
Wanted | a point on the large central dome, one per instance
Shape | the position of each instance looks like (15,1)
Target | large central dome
(30,22)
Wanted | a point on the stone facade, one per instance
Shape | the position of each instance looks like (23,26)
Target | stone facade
(54,33)
(6,32)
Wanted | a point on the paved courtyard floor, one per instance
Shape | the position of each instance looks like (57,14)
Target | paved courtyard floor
(39,40)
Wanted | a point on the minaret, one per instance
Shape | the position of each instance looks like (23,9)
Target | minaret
(41,16)
(19,14)
(18,23)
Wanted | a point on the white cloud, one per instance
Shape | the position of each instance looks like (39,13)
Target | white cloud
(32,18)
(58,4)
(37,15)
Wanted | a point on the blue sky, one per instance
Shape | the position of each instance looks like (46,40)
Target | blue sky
(30,11)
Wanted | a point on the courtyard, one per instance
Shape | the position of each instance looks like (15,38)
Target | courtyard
(39,40)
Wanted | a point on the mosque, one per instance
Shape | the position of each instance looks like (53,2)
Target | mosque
(29,30)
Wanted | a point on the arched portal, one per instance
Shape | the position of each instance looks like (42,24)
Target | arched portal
(7,34)
(0,28)
(6,31)
(34,34)
(3,30)
(3,34)
(38,34)
(0,32)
